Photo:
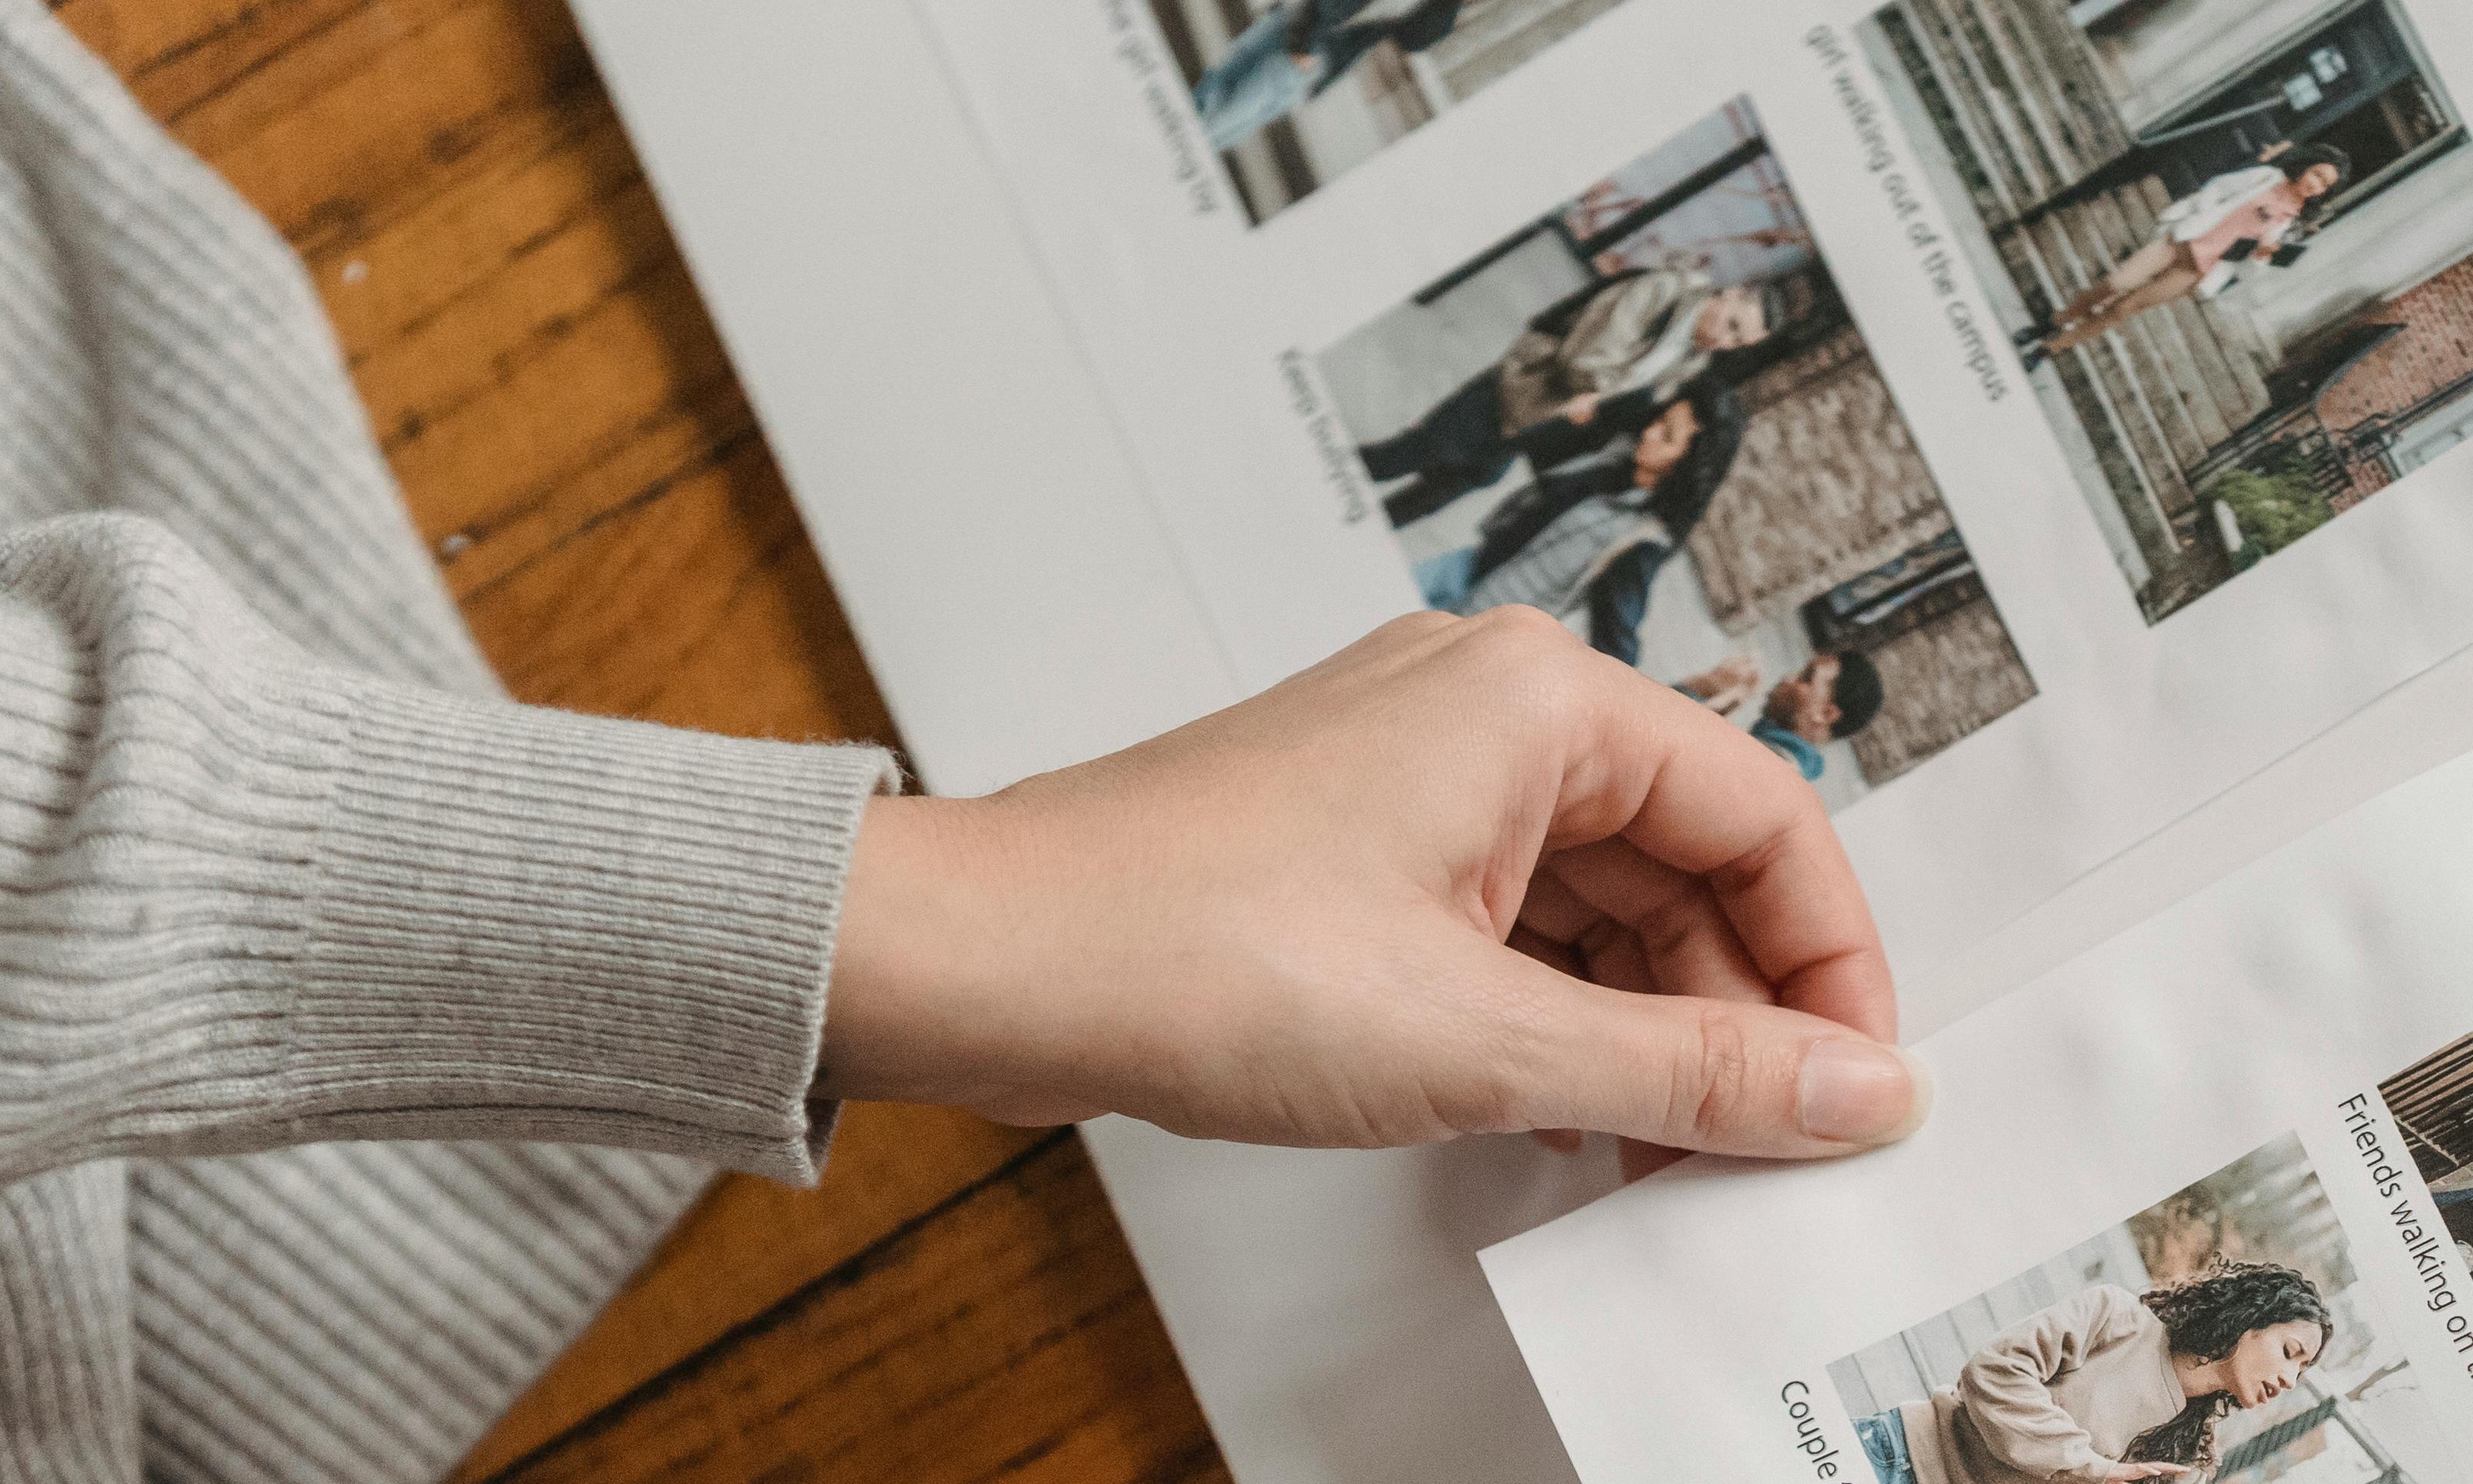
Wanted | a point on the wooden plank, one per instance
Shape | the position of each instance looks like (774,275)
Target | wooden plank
(1037,1330)
(749,1247)
(954,1300)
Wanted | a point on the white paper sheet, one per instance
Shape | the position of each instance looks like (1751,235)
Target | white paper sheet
(1674,1325)
(1189,319)
(826,182)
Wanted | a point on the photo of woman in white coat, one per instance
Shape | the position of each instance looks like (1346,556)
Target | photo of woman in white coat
(2232,218)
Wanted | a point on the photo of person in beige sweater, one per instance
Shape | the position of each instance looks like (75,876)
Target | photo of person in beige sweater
(2109,1386)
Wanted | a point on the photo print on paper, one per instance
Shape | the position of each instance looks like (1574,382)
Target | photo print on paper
(2224,1331)
(1649,413)
(2232,241)
(1293,93)
(2431,1103)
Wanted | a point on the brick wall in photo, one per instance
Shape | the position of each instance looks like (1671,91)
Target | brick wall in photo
(1828,486)
(1939,682)
(2434,349)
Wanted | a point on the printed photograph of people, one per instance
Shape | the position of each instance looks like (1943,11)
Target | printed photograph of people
(1295,92)
(1649,413)
(2224,1334)
(2232,241)
(2431,1102)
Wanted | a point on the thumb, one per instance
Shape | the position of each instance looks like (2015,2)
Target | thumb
(1719,1076)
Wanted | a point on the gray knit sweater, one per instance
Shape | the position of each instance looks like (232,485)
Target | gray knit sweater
(292,900)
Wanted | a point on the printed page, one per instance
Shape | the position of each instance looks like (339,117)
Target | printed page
(2203,1197)
(857,242)
(1952,395)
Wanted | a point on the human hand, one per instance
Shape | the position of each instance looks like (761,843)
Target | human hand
(1580,410)
(2122,1474)
(1725,685)
(1741,670)
(1286,923)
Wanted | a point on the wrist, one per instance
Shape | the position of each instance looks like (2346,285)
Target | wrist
(955,972)
(907,951)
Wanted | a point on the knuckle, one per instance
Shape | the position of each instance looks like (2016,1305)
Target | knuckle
(1518,623)
(1529,658)
(1418,622)
(1745,872)
(1805,820)
(1711,1076)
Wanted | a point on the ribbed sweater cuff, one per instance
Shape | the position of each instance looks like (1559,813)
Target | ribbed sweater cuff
(529,923)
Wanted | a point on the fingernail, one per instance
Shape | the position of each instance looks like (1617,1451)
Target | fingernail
(1857,1091)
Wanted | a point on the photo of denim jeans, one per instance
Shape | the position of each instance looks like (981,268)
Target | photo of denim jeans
(1256,82)
(1884,1443)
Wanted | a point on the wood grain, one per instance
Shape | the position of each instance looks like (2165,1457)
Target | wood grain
(954,1302)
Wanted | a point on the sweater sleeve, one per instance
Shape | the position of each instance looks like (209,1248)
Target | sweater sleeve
(2007,1385)
(248,901)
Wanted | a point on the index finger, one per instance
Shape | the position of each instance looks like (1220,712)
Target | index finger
(1689,789)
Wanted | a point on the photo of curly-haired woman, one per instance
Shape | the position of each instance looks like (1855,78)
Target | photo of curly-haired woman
(2111,1385)
(2222,1333)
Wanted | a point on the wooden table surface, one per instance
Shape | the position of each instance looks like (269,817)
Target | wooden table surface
(955,1301)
